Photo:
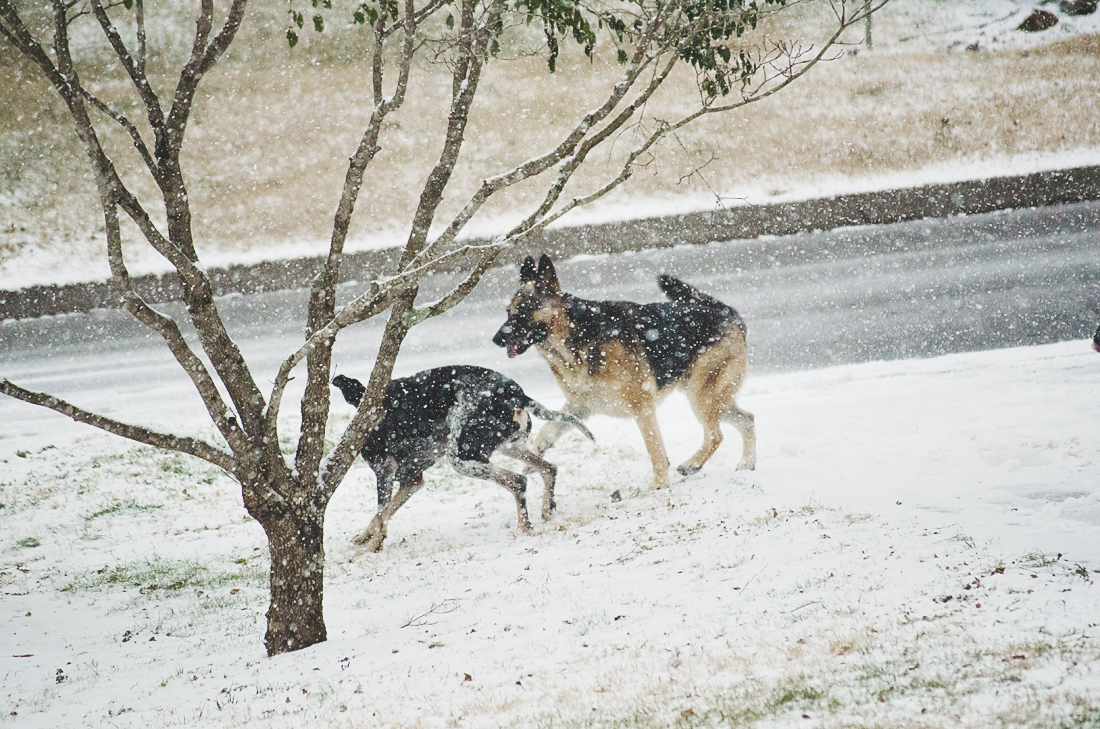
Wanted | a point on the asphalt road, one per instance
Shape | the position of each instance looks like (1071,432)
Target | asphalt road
(915,289)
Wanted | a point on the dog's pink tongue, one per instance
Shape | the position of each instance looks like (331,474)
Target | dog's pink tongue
(512,351)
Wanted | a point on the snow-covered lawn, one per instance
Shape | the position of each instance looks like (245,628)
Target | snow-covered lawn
(916,548)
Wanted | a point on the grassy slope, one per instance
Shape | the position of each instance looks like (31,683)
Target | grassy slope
(268,143)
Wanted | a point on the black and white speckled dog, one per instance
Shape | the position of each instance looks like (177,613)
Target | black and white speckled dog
(462,413)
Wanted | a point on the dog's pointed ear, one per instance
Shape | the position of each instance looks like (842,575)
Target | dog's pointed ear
(547,281)
(527,272)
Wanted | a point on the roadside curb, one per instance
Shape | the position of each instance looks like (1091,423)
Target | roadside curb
(740,223)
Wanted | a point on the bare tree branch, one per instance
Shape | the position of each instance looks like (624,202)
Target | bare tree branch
(369,413)
(126,124)
(322,306)
(139,20)
(190,446)
(167,328)
(380,296)
(459,293)
(134,69)
(472,48)
(793,70)
(538,165)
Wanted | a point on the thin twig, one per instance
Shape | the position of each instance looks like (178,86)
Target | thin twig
(438,608)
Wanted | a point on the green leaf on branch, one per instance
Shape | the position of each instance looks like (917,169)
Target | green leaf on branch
(291,37)
(318,24)
(364,13)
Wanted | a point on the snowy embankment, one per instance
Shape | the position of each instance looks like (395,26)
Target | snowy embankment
(916,548)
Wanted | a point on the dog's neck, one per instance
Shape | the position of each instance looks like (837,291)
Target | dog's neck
(573,332)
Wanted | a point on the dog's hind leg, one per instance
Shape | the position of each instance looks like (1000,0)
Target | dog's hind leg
(745,422)
(710,418)
(547,470)
(711,387)
(514,482)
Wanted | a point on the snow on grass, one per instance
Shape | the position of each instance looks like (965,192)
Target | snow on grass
(919,109)
(916,549)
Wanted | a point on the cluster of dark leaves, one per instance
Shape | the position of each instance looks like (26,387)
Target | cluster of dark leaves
(701,31)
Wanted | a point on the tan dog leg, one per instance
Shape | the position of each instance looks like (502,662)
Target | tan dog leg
(745,423)
(646,416)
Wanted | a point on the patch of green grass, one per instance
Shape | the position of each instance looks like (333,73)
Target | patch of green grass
(962,539)
(1036,559)
(171,575)
(794,694)
(175,464)
(120,506)
(1028,649)
(873,91)
(29,542)
(1083,716)
(797,693)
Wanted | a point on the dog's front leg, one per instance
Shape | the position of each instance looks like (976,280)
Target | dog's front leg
(375,532)
(407,487)
(646,416)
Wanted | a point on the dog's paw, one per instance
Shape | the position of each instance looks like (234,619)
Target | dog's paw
(686,470)
(747,464)
(374,543)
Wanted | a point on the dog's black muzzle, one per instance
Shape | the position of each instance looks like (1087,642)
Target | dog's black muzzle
(519,341)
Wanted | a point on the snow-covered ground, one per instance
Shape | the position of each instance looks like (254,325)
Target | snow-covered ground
(916,548)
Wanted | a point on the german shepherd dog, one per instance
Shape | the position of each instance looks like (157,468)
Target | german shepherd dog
(462,413)
(620,358)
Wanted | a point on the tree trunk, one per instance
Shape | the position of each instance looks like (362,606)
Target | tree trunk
(295,618)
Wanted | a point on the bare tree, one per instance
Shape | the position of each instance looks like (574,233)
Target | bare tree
(288,496)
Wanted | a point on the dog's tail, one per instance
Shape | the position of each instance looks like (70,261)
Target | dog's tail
(544,413)
(677,290)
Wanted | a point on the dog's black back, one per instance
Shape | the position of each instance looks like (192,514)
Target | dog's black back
(419,407)
(670,333)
